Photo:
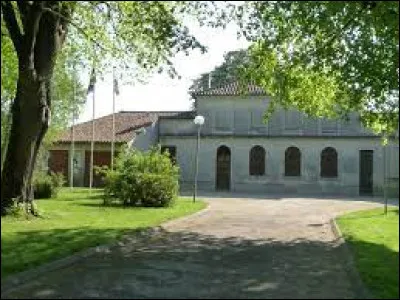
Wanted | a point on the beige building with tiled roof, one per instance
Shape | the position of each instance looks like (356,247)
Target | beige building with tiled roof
(292,153)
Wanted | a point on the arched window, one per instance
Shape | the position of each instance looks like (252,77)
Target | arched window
(292,161)
(329,162)
(257,161)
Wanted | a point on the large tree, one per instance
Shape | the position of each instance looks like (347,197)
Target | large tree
(130,36)
(69,93)
(327,58)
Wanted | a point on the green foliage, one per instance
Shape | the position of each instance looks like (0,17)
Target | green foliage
(142,178)
(9,71)
(68,92)
(17,210)
(47,186)
(136,38)
(326,58)
(43,187)
(155,190)
(57,179)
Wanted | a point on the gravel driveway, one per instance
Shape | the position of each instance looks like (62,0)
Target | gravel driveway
(238,248)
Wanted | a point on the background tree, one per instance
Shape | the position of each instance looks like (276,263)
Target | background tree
(326,58)
(131,36)
(227,72)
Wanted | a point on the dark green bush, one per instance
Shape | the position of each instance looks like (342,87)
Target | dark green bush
(46,186)
(142,179)
(43,187)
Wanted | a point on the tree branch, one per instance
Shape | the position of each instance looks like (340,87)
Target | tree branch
(345,26)
(23,11)
(69,21)
(10,20)
(32,28)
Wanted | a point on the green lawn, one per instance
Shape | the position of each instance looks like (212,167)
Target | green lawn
(72,222)
(374,240)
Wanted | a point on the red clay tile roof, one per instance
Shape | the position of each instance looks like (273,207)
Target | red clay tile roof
(126,122)
(231,89)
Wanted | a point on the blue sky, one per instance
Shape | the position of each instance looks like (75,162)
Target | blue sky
(161,92)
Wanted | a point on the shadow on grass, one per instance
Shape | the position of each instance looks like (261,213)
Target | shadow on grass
(80,196)
(119,205)
(101,204)
(31,248)
(378,266)
(192,265)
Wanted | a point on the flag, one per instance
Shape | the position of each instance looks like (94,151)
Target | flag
(92,81)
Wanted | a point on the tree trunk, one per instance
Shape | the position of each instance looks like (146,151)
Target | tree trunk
(37,49)
(30,119)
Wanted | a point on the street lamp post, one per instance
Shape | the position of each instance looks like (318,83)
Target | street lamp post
(198,121)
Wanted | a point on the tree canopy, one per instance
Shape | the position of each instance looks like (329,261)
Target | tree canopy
(227,72)
(94,36)
(326,58)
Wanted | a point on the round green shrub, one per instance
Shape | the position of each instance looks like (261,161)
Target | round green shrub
(147,179)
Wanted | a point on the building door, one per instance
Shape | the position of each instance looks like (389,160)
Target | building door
(366,172)
(223,178)
(78,167)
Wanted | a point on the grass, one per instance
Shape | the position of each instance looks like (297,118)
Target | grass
(374,239)
(74,221)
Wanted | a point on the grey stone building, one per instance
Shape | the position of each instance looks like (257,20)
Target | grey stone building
(290,154)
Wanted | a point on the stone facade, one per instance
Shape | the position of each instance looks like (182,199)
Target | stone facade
(236,122)
(274,180)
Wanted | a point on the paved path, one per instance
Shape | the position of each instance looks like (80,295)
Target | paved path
(239,248)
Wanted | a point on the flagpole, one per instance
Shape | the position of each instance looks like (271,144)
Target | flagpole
(71,177)
(113,122)
(92,142)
